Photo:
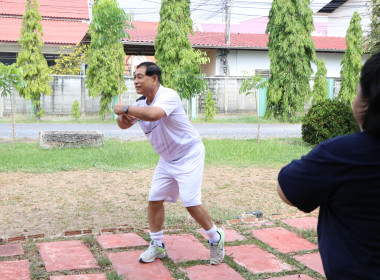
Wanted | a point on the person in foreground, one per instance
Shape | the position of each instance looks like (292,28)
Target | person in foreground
(180,168)
(342,177)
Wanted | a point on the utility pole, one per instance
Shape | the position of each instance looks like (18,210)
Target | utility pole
(225,53)
(228,22)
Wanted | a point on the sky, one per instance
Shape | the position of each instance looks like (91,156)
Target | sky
(214,11)
(201,10)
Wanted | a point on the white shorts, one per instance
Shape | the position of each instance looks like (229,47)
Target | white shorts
(181,178)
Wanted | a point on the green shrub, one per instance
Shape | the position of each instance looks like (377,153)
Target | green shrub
(210,109)
(327,119)
(75,110)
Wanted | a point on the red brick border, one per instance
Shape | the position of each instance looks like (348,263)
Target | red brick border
(126,228)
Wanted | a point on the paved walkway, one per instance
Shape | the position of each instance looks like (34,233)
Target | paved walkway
(282,248)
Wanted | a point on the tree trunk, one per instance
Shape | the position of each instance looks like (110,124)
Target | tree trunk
(37,111)
(191,109)
(117,71)
(13,122)
(258,116)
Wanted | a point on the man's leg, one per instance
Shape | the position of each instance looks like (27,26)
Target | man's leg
(215,236)
(156,215)
(201,215)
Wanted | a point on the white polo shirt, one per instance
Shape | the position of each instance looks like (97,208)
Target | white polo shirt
(172,136)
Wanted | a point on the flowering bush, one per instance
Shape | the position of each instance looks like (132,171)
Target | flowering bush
(327,119)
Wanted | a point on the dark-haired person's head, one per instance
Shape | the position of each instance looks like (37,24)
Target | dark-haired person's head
(151,70)
(367,101)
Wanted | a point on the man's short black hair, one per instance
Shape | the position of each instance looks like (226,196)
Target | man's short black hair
(151,69)
(370,87)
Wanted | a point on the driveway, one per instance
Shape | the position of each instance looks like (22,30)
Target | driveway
(206,130)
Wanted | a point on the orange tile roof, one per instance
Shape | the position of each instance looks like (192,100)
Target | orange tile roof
(145,25)
(55,31)
(256,41)
(70,9)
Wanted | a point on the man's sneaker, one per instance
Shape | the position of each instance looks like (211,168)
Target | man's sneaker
(217,249)
(154,251)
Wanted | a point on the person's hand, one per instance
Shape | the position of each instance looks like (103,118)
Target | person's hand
(125,121)
(118,109)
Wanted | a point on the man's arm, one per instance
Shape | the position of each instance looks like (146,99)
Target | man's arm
(282,195)
(126,121)
(143,113)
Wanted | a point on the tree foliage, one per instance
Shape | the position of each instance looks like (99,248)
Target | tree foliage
(75,110)
(210,108)
(251,85)
(189,81)
(327,119)
(352,60)
(291,50)
(373,38)
(71,60)
(172,38)
(36,72)
(106,53)
(10,77)
(320,89)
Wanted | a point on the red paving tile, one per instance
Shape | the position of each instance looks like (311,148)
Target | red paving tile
(108,241)
(312,261)
(231,235)
(185,247)
(127,264)
(11,250)
(283,240)
(256,259)
(212,272)
(100,276)
(303,223)
(14,270)
(66,255)
(292,277)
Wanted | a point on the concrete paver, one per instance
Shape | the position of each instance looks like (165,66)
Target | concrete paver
(66,255)
(208,272)
(100,276)
(109,241)
(185,247)
(292,277)
(256,259)
(11,250)
(303,223)
(127,264)
(312,261)
(283,240)
(15,270)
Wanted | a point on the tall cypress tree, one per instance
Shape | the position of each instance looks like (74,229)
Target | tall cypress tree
(172,37)
(373,39)
(291,50)
(106,53)
(352,60)
(36,72)
(320,90)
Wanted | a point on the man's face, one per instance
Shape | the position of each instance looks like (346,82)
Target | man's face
(143,83)
(359,106)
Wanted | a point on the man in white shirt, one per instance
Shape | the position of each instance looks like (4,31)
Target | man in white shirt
(180,168)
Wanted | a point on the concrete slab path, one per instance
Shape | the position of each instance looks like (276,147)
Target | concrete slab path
(273,250)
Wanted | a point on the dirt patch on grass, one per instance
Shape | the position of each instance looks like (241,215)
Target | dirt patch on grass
(53,202)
